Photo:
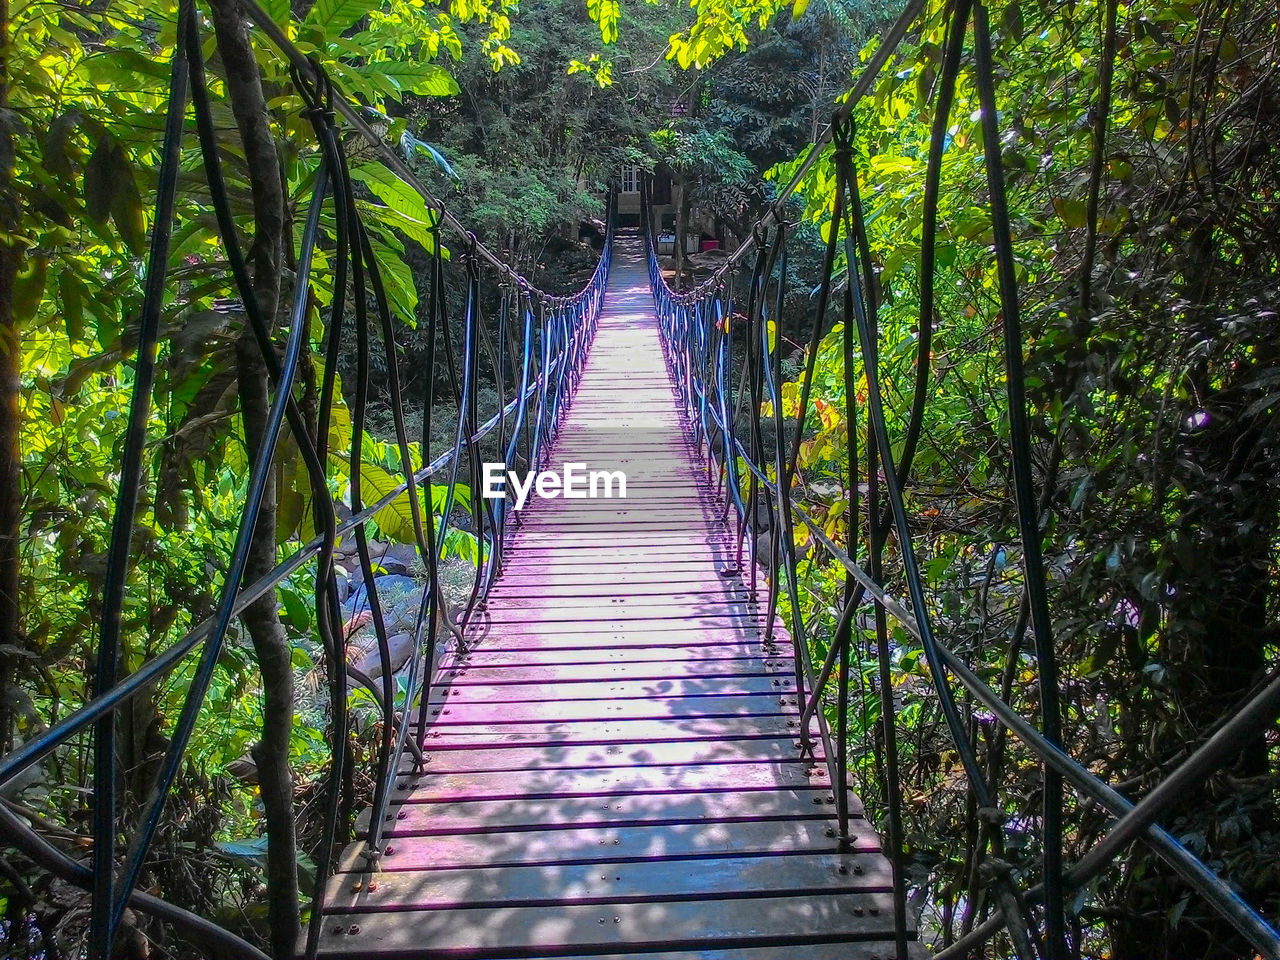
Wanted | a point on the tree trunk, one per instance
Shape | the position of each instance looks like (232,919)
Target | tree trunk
(677,200)
(10,359)
(271,752)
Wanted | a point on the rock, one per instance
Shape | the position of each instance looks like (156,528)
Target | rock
(401,558)
(400,647)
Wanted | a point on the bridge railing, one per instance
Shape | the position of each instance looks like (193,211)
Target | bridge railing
(541,346)
(709,329)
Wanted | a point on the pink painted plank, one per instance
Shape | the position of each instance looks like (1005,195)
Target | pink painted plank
(648,842)
(419,816)
(486,656)
(530,585)
(658,633)
(671,687)
(557,711)
(799,874)
(466,736)
(525,784)
(590,928)
(492,758)
(474,675)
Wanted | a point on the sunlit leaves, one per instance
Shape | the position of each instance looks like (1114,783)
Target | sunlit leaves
(606,14)
(720,27)
(597,68)
(332,17)
(424,79)
(405,208)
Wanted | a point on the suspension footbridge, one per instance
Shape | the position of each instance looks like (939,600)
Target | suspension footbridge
(614,755)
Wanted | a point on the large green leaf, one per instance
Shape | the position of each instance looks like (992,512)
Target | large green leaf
(335,16)
(395,520)
(393,191)
(279,10)
(415,76)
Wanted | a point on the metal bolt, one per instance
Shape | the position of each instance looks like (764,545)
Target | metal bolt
(617,919)
(372,886)
(817,800)
(857,869)
(843,869)
(353,929)
(401,815)
(356,887)
(857,911)
(831,831)
(339,931)
(390,850)
(874,911)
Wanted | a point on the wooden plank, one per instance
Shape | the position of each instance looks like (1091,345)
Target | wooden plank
(464,736)
(634,583)
(527,784)
(675,925)
(487,758)
(487,656)
(638,628)
(870,950)
(471,674)
(556,711)
(670,688)
(640,614)
(719,603)
(649,842)
(610,882)
(533,638)
(418,815)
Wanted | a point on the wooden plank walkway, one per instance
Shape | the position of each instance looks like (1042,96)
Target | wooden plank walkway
(614,769)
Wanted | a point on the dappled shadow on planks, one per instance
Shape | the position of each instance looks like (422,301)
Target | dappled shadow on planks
(614,764)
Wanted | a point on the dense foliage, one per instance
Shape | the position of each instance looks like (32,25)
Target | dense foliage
(1145,229)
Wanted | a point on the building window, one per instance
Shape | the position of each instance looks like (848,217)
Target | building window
(630,179)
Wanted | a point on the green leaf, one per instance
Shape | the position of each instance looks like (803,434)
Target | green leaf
(1071,212)
(394,192)
(297,610)
(70,292)
(798,8)
(279,10)
(335,16)
(126,206)
(418,77)
(98,181)
(396,518)
(28,288)
(57,148)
